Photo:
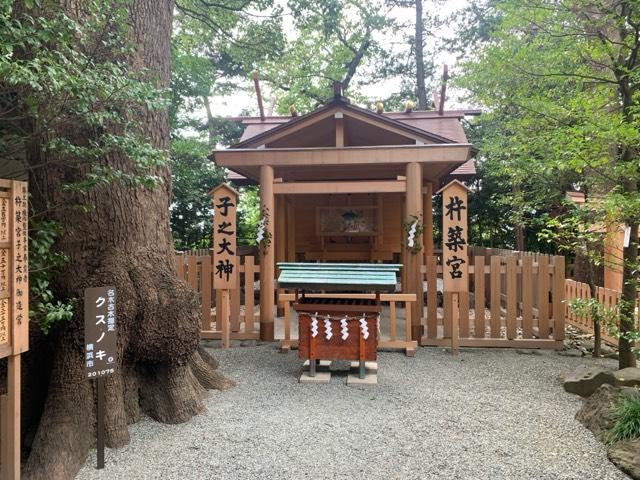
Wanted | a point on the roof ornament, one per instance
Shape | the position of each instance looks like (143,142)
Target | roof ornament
(409,106)
(379,106)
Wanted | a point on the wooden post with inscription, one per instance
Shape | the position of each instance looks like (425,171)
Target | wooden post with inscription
(100,350)
(14,315)
(455,255)
(225,201)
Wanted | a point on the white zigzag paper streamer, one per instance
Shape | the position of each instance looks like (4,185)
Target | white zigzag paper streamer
(314,325)
(412,234)
(378,323)
(327,328)
(364,328)
(260,232)
(344,328)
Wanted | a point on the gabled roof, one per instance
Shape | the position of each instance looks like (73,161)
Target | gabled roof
(261,132)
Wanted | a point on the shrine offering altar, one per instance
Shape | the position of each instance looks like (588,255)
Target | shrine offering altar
(337,327)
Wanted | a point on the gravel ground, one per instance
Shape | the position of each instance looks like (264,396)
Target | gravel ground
(485,414)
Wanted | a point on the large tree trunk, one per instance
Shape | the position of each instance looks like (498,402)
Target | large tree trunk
(124,241)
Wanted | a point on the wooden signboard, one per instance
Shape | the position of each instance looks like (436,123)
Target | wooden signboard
(225,200)
(100,331)
(14,314)
(101,349)
(455,256)
(14,269)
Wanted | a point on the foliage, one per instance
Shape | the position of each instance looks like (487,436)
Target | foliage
(334,40)
(44,264)
(194,175)
(55,74)
(248,215)
(626,416)
(214,48)
(59,75)
(560,79)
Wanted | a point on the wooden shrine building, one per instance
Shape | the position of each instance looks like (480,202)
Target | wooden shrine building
(342,182)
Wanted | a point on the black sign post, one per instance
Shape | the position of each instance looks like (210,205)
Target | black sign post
(100,348)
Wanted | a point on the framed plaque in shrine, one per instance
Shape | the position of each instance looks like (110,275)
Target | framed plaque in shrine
(455,250)
(14,270)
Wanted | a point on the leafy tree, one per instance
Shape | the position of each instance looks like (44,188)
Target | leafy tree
(334,40)
(83,109)
(193,176)
(214,47)
(568,71)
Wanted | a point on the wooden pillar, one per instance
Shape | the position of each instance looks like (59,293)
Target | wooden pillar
(291,231)
(10,427)
(613,248)
(339,129)
(414,260)
(427,212)
(280,218)
(267,256)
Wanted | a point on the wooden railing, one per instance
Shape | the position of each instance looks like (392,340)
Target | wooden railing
(517,301)
(197,271)
(395,339)
(607,297)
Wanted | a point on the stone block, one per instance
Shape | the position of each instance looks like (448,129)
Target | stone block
(627,377)
(586,380)
(369,366)
(369,379)
(321,377)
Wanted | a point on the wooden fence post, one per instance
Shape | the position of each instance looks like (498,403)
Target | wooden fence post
(558,297)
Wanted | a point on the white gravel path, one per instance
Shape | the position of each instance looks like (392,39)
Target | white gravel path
(486,414)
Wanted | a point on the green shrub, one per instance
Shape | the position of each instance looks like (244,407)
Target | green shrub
(626,414)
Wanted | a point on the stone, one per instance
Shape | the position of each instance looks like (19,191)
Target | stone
(368,366)
(588,345)
(585,380)
(321,377)
(607,350)
(625,455)
(627,377)
(527,351)
(596,413)
(570,353)
(369,379)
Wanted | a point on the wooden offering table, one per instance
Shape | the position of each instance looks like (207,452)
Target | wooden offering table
(337,328)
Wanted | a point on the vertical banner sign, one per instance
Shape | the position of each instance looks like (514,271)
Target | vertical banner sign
(20,284)
(225,200)
(455,255)
(100,331)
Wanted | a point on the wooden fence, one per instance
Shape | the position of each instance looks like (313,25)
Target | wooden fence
(197,271)
(514,300)
(607,297)
(391,336)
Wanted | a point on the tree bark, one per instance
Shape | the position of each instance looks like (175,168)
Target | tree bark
(421,88)
(124,240)
(210,126)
